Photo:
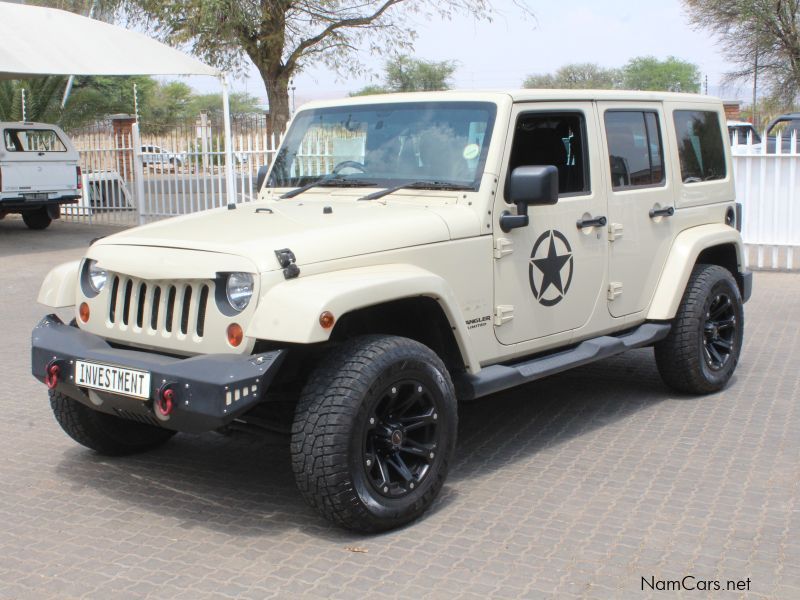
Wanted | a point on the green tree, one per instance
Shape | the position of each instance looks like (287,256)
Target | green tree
(281,37)
(407,74)
(650,73)
(761,37)
(240,103)
(576,76)
(42,99)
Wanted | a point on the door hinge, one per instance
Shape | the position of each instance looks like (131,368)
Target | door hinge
(614,290)
(503,247)
(503,314)
(614,231)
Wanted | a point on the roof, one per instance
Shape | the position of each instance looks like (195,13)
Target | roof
(44,41)
(519,95)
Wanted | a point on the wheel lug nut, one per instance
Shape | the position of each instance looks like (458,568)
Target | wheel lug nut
(419,389)
(371,421)
(394,390)
(435,416)
(385,490)
(431,455)
(411,485)
(369,463)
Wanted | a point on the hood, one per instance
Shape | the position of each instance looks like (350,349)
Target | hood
(315,227)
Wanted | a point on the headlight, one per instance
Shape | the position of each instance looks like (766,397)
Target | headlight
(97,276)
(239,290)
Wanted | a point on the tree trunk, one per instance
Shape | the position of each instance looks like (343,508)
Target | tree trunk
(278,98)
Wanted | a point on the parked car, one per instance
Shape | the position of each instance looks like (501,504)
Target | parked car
(103,191)
(789,125)
(744,138)
(161,157)
(454,245)
(39,172)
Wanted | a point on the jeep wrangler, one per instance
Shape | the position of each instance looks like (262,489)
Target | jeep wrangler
(406,252)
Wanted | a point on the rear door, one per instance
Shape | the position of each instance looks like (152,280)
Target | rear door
(37,160)
(640,201)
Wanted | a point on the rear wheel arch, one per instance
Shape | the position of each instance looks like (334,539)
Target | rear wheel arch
(726,256)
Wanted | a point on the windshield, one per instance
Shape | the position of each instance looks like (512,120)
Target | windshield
(386,145)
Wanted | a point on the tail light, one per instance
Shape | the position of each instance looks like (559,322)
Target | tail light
(80,178)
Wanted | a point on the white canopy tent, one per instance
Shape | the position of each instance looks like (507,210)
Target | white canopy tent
(40,41)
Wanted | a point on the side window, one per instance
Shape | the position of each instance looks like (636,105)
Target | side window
(700,145)
(635,151)
(33,140)
(553,139)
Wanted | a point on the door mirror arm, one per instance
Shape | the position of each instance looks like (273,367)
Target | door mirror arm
(509,221)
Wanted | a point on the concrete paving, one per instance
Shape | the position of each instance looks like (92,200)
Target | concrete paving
(598,483)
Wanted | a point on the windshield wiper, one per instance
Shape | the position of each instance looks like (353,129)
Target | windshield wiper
(330,181)
(418,185)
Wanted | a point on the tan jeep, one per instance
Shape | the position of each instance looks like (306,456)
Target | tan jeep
(406,252)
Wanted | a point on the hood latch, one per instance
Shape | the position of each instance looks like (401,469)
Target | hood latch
(286,259)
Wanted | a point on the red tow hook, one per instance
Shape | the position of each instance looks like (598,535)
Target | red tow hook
(51,375)
(165,401)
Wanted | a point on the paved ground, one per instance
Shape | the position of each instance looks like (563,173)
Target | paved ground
(578,486)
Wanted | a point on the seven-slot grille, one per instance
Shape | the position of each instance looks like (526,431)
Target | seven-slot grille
(171,308)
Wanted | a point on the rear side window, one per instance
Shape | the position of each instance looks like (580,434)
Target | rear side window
(635,151)
(700,145)
(33,140)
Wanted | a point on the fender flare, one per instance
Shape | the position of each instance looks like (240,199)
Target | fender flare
(59,288)
(683,254)
(289,312)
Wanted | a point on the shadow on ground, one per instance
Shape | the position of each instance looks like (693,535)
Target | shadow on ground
(17,240)
(243,485)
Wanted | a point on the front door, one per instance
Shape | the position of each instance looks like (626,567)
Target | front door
(550,274)
(640,202)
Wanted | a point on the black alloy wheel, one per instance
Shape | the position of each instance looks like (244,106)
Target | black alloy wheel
(401,438)
(719,332)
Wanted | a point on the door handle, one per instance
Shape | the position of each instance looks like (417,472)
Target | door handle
(662,212)
(596,222)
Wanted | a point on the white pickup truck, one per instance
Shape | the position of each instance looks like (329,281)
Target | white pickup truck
(39,171)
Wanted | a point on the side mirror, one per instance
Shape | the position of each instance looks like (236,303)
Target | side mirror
(534,185)
(262,175)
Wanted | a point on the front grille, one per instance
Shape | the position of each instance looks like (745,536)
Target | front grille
(157,306)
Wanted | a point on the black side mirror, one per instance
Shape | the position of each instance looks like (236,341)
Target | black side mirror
(262,175)
(534,185)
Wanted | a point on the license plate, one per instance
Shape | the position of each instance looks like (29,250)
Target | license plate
(39,196)
(109,378)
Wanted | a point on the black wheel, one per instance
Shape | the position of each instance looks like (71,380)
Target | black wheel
(37,219)
(105,433)
(701,351)
(374,433)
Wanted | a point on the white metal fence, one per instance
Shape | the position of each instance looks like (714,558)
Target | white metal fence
(767,173)
(135,178)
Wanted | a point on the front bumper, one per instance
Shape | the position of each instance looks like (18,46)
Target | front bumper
(209,391)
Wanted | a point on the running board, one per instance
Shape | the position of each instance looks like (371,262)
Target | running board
(496,378)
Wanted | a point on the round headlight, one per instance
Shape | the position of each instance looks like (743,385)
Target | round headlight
(97,276)
(239,290)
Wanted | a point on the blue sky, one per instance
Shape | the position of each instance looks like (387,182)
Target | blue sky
(500,54)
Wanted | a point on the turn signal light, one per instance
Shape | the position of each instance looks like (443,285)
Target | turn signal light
(235,334)
(83,312)
(326,319)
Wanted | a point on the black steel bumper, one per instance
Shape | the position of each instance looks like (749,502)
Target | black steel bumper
(208,391)
(19,203)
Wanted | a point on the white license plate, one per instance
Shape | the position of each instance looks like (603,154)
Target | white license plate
(38,196)
(109,378)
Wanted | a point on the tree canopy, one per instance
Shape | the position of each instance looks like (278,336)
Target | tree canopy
(640,73)
(407,74)
(762,35)
(576,76)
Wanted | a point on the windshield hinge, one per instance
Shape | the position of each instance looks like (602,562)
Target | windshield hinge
(503,247)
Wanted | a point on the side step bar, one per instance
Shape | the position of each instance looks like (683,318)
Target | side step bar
(496,378)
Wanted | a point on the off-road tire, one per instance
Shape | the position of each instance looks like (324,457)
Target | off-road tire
(37,219)
(681,357)
(102,432)
(332,419)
